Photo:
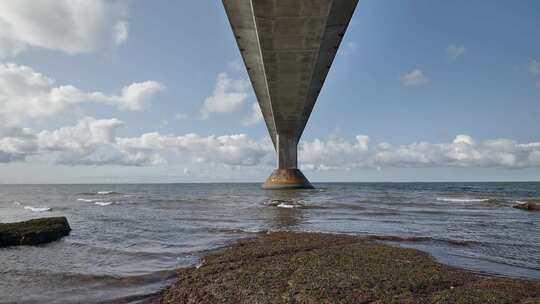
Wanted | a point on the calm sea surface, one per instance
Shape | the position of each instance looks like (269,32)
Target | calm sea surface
(128,239)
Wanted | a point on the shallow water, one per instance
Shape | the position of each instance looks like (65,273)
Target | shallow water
(128,239)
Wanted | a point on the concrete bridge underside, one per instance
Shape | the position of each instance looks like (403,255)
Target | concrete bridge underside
(288,47)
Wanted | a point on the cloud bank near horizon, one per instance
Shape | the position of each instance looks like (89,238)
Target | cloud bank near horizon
(94,142)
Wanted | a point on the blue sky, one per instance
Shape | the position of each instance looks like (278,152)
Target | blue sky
(442,90)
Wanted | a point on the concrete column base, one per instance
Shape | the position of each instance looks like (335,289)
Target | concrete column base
(287,179)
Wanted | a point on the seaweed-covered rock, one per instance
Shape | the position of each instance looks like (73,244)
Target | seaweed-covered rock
(286,267)
(33,232)
(529,206)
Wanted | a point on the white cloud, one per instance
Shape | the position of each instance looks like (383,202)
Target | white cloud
(414,78)
(135,96)
(121,32)
(335,153)
(95,142)
(534,67)
(27,94)
(81,139)
(454,51)
(65,25)
(229,96)
(229,150)
(256,115)
(79,144)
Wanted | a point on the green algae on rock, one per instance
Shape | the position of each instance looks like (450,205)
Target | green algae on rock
(287,267)
(33,232)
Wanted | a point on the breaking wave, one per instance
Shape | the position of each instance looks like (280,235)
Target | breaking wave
(462,199)
(88,200)
(37,209)
(103,203)
(100,193)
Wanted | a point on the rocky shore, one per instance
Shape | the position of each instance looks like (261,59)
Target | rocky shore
(289,267)
(531,205)
(33,232)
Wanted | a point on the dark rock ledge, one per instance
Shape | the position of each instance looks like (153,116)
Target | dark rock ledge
(532,205)
(322,268)
(33,232)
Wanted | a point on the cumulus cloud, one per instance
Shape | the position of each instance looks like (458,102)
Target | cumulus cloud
(229,96)
(82,138)
(95,142)
(414,78)
(27,94)
(64,25)
(16,144)
(230,150)
(256,115)
(454,51)
(335,153)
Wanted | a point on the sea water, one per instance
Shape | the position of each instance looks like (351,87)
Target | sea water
(128,239)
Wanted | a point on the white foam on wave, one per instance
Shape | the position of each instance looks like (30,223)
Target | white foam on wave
(462,200)
(252,230)
(103,203)
(283,204)
(37,209)
(105,192)
(288,206)
(88,200)
(17,203)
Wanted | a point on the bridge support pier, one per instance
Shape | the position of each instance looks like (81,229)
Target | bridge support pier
(287,175)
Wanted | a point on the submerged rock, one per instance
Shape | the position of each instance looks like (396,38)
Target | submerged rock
(285,267)
(529,206)
(33,232)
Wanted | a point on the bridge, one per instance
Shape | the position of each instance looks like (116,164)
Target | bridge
(288,47)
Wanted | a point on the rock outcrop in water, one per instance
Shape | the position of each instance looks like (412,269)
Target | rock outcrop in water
(322,268)
(529,206)
(33,232)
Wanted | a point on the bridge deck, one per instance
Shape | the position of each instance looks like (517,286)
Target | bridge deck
(288,48)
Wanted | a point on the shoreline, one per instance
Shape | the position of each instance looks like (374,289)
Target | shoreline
(297,267)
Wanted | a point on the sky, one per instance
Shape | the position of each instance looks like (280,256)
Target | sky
(119,91)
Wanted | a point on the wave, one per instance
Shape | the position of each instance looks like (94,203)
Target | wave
(526,201)
(462,200)
(17,203)
(103,203)
(106,192)
(238,230)
(88,200)
(288,204)
(419,239)
(37,209)
(100,193)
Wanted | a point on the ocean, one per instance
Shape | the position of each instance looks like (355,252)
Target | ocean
(127,240)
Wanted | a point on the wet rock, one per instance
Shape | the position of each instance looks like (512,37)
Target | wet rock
(285,267)
(529,206)
(33,232)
